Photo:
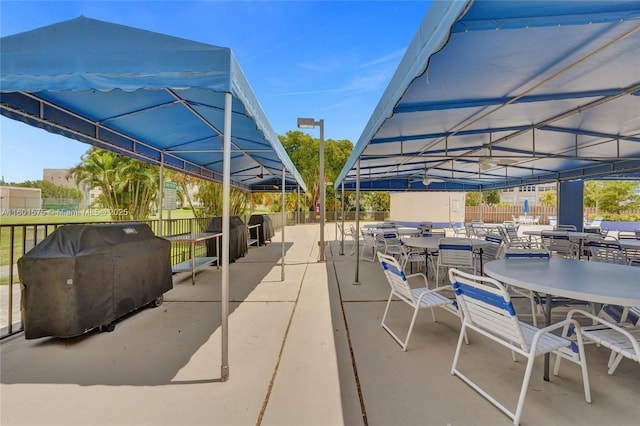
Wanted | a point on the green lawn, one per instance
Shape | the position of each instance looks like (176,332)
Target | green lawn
(29,228)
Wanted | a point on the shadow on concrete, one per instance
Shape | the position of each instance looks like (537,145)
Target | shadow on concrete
(150,346)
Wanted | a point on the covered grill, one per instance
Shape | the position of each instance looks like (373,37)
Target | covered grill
(263,233)
(238,238)
(86,276)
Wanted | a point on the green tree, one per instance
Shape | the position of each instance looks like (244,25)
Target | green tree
(129,187)
(376,201)
(304,152)
(491,197)
(472,199)
(617,196)
(51,190)
(549,198)
(210,195)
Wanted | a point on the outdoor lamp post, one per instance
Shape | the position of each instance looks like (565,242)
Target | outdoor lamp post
(310,123)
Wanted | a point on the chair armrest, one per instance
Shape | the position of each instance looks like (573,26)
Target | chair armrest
(634,342)
(419,274)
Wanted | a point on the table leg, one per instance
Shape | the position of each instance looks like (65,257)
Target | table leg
(193,263)
(547,322)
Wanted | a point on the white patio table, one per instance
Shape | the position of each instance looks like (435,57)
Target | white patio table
(597,282)
(401,231)
(431,244)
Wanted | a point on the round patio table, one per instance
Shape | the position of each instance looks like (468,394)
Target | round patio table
(597,282)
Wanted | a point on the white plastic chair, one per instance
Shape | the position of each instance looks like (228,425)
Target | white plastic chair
(418,298)
(559,244)
(606,251)
(455,253)
(623,339)
(486,308)
(392,244)
(527,253)
(493,250)
(369,242)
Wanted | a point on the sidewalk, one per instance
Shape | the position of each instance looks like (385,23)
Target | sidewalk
(308,350)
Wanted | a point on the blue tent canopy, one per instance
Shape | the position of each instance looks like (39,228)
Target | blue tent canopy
(496,94)
(151,96)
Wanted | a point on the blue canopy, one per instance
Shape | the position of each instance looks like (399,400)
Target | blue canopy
(151,96)
(495,94)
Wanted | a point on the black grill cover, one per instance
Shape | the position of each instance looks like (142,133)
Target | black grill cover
(265,232)
(84,276)
(238,238)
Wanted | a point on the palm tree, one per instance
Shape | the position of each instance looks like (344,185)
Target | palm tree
(129,186)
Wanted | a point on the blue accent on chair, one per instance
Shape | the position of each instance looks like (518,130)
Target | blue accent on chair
(490,298)
(454,247)
(604,244)
(525,254)
(393,270)
(493,239)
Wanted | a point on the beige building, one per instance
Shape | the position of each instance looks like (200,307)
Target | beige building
(15,201)
(446,207)
(61,177)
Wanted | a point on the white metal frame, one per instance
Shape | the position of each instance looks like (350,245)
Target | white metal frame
(487,309)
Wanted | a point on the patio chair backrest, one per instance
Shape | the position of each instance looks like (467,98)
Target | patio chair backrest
(434,233)
(565,228)
(425,226)
(457,252)
(392,243)
(558,242)
(627,235)
(526,253)
(486,305)
(493,250)
(606,251)
(396,277)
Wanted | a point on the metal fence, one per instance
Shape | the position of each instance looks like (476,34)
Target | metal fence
(16,240)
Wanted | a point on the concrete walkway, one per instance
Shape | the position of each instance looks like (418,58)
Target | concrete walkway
(308,350)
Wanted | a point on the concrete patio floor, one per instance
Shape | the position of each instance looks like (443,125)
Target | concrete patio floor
(308,350)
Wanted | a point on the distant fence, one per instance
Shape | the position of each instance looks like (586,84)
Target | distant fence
(499,214)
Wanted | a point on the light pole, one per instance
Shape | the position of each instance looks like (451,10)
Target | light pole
(310,123)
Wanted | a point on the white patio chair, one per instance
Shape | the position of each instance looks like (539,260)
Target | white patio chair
(606,251)
(559,244)
(528,253)
(353,234)
(369,242)
(458,230)
(455,253)
(570,228)
(493,250)
(623,339)
(417,298)
(411,256)
(392,244)
(486,308)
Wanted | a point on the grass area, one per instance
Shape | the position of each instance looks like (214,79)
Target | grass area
(35,227)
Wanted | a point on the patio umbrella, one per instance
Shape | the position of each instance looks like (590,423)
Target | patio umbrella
(526,207)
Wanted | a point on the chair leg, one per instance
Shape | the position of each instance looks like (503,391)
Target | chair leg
(523,390)
(386,327)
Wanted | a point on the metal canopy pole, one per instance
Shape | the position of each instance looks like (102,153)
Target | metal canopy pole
(357,281)
(297,204)
(161,195)
(283,226)
(226,183)
(342,206)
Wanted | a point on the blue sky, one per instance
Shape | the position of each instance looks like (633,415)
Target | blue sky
(321,59)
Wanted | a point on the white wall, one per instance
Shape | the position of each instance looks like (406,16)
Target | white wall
(427,206)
